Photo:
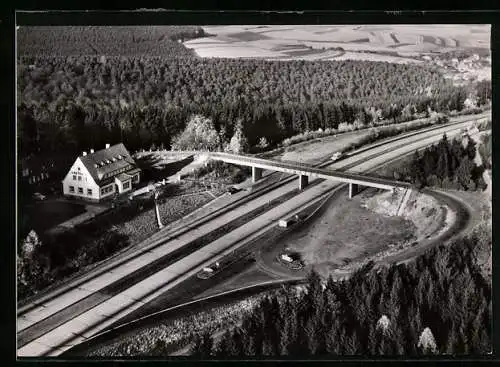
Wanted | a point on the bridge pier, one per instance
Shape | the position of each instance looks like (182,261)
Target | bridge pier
(353,190)
(303,181)
(256,174)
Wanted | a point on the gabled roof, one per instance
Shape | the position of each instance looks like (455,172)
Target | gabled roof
(103,163)
(123,177)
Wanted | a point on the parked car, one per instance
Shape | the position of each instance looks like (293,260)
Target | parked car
(286,257)
(38,196)
(291,260)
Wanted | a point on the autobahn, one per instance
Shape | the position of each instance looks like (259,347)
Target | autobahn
(85,309)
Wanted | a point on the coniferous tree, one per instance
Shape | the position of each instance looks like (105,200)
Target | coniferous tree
(353,346)
(159,349)
(196,345)
(206,345)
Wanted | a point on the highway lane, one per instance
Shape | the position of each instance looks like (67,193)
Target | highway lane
(152,285)
(171,230)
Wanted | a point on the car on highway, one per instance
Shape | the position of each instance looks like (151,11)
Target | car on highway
(337,156)
(38,196)
(209,271)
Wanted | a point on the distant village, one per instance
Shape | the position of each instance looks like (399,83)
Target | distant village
(469,69)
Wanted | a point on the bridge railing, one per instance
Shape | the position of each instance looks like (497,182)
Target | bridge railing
(309,169)
(302,167)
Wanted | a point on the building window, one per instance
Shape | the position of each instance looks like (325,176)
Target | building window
(74,177)
(106,189)
(80,190)
(79,178)
(89,192)
(126,185)
(136,178)
(72,189)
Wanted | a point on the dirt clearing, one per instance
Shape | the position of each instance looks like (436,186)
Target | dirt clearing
(425,212)
(352,231)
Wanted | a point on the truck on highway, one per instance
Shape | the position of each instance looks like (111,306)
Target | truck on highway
(287,222)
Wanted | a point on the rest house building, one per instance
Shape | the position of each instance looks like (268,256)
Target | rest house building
(99,175)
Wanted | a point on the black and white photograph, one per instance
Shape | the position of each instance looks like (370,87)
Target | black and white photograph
(253,191)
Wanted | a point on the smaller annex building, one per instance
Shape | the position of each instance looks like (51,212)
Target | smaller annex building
(98,175)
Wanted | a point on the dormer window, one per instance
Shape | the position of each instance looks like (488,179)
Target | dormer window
(108,161)
(96,165)
(114,159)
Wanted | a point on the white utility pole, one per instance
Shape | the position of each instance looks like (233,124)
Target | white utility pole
(160,224)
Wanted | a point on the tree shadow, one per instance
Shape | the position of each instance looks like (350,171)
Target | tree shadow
(153,168)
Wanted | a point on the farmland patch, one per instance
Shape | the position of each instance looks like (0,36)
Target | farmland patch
(248,36)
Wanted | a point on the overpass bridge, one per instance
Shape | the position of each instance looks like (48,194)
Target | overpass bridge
(304,171)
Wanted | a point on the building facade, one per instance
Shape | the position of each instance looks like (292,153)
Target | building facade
(99,175)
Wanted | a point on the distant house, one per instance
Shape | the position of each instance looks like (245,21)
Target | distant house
(100,174)
(34,170)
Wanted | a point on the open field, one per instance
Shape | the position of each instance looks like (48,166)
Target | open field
(278,41)
(171,208)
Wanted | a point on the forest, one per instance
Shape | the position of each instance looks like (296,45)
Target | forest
(438,304)
(485,150)
(71,104)
(448,164)
(165,41)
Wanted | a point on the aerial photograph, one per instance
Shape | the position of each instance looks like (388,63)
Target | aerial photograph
(253,191)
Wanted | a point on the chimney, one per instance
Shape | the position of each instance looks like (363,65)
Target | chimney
(84,154)
(107,146)
(91,151)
